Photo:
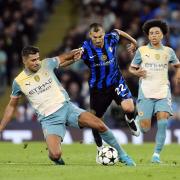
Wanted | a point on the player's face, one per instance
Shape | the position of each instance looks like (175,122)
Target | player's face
(155,35)
(32,62)
(97,37)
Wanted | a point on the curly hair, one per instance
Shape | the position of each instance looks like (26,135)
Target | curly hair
(155,23)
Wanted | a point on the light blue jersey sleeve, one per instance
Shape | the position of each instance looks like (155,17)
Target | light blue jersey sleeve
(173,58)
(16,90)
(137,60)
(52,63)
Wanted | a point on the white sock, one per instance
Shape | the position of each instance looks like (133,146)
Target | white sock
(156,154)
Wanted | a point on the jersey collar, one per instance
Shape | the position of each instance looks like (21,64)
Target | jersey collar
(28,72)
(151,47)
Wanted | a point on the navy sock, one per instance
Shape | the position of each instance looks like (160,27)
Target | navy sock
(97,137)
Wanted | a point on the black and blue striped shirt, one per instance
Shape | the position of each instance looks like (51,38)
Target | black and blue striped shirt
(104,70)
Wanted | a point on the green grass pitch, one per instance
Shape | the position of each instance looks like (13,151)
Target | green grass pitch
(29,161)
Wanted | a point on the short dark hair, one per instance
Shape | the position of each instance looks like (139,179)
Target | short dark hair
(27,50)
(155,23)
(95,27)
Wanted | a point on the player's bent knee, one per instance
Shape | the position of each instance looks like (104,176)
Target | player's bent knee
(145,125)
(128,109)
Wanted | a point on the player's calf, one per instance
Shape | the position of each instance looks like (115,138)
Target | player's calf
(87,119)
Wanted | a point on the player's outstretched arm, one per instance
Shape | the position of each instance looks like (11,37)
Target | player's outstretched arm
(133,44)
(69,58)
(10,108)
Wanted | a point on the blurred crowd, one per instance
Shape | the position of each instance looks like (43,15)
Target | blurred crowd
(22,28)
(20,22)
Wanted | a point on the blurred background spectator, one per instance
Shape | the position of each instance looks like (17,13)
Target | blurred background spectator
(25,112)
(20,23)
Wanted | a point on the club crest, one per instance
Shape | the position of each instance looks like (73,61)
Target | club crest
(37,78)
(104,57)
(140,113)
(157,56)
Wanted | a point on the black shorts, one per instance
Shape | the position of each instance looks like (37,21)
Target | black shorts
(101,99)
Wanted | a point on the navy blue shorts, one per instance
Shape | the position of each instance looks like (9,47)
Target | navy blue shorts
(101,99)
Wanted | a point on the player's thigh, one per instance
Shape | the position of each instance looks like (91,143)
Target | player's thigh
(73,116)
(123,97)
(163,108)
(87,119)
(55,123)
(57,128)
(53,143)
(127,105)
(100,101)
(121,91)
(145,108)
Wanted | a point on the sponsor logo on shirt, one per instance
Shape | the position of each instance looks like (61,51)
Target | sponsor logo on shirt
(41,88)
(106,63)
(156,67)
(92,56)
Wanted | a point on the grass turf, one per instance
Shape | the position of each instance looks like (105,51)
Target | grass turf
(30,162)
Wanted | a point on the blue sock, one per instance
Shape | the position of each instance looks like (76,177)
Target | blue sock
(160,135)
(109,138)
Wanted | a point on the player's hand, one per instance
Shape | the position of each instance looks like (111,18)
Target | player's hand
(141,73)
(131,48)
(78,53)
